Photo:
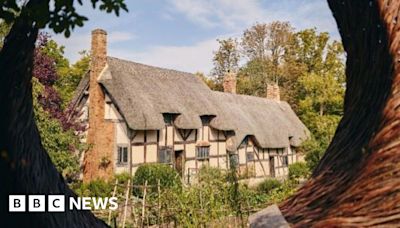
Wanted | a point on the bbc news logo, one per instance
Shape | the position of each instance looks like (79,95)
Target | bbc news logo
(58,203)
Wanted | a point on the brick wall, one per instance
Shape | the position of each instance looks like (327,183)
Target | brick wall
(98,160)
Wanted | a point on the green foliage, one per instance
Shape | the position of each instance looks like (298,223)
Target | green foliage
(212,198)
(210,82)
(268,185)
(58,143)
(96,188)
(226,59)
(309,68)
(315,150)
(71,76)
(209,200)
(56,52)
(4,29)
(59,15)
(252,78)
(122,178)
(283,192)
(202,202)
(298,171)
(102,188)
(152,173)
(318,88)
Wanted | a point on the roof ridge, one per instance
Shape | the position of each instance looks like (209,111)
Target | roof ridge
(251,97)
(147,65)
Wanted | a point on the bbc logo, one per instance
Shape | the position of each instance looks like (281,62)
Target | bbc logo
(36,203)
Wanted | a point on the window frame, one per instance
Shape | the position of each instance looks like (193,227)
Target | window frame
(207,152)
(169,118)
(165,149)
(247,156)
(285,161)
(122,153)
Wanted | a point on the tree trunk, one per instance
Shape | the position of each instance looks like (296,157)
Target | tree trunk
(357,182)
(25,167)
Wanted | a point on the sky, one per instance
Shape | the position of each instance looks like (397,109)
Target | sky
(182,34)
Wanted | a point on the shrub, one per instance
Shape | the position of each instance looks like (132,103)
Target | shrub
(268,185)
(152,173)
(298,170)
(211,175)
(122,178)
(200,203)
(277,195)
(96,188)
(314,151)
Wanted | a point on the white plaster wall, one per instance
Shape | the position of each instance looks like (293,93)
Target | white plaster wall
(121,138)
(151,153)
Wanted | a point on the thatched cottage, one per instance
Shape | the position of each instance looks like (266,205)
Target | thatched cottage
(140,114)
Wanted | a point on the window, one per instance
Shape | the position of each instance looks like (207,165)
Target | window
(165,155)
(250,156)
(122,155)
(169,118)
(203,152)
(285,161)
(205,120)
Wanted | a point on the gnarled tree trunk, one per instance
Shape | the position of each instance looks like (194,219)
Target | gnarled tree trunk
(357,182)
(25,167)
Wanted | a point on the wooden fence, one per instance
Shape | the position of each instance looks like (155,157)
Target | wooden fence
(136,211)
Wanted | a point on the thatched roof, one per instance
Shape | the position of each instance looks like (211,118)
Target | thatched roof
(143,93)
(80,90)
(272,123)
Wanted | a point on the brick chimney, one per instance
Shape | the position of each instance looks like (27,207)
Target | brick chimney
(98,160)
(229,82)
(273,92)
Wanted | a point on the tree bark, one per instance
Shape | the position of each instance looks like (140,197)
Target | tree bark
(357,182)
(25,167)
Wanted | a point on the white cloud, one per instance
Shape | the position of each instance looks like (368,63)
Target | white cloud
(229,16)
(119,36)
(236,15)
(76,43)
(193,58)
(212,13)
(81,41)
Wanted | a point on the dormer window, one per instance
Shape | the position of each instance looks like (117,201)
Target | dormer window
(205,120)
(169,118)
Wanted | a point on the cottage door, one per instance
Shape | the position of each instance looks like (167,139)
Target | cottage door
(272,166)
(179,162)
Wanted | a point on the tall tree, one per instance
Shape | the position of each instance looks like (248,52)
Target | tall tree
(226,59)
(55,127)
(25,167)
(253,77)
(356,184)
(267,42)
(314,86)
(70,78)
